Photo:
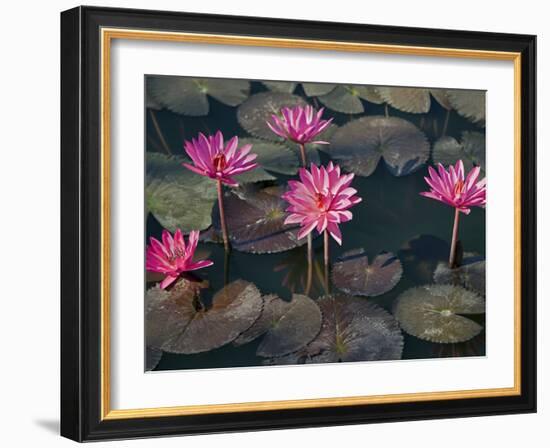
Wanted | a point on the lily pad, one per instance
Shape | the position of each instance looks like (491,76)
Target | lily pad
(255,222)
(317,88)
(470,275)
(177,197)
(359,145)
(345,99)
(177,321)
(442,98)
(435,313)
(152,358)
(258,109)
(468,103)
(354,275)
(274,157)
(287,326)
(353,329)
(406,99)
(470,149)
(188,96)
(280,86)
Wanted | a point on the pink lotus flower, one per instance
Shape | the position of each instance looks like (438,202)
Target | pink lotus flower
(451,188)
(172,256)
(300,124)
(321,200)
(210,157)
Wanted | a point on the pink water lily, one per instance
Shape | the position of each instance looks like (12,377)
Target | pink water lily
(321,199)
(212,158)
(300,124)
(451,188)
(172,256)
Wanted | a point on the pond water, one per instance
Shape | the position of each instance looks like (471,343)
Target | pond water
(392,217)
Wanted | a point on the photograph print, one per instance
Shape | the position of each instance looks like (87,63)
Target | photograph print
(292,223)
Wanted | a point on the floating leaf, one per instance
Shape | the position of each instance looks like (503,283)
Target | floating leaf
(177,197)
(317,88)
(470,275)
(359,145)
(258,109)
(354,329)
(288,326)
(406,99)
(370,93)
(343,99)
(468,103)
(188,96)
(434,313)
(177,321)
(255,222)
(152,358)
(273,157)
(441,97)
(354,275)
(471,150)
(280,86)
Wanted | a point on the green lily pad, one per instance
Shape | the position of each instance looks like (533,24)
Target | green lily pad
(442,98)
(188,96)
(177,197)
(152,358)
(360,144)
(255,222)
(254,113)
(317,88)
(353,273)
(353,329)
(286,326)
(273,157)
(177,321)
(406,99)
(370,93)
(435,313)
(470,149)
(280,86)
(345,99)
(470,275)
(468,103)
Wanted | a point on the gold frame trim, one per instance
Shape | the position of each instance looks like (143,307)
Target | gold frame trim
(107,35)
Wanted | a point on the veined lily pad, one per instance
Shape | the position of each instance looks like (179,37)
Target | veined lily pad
(288,326)
(255,222)
(317,88)
(177,197)
(470,275)
(347,99)
(406,99)
(274,157)
(258,109)
(359,145)
(471,150)
(354,275)
(353,329)
(441,97)
(188,96)
(152,358)
(177,322)
(468,103)
(435,313)
(280,86)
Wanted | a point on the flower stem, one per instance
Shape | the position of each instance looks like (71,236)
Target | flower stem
(309,263)
(454,240)
(159,132)
(327,260)
(303,154)
(446,123)
(222,216)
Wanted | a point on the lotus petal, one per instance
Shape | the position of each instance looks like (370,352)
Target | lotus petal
(406,99)
(317,88)
(280,86)
(353,274)
(359,145)
(471,150)
(435,313)
(152,358)
(177,197)
(468,103)
(177,322)
(255,222)
(470,275)
(254,113)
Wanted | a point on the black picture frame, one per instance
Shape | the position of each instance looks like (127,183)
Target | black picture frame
(81,224)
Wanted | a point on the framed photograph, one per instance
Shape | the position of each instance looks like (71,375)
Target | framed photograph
(275,224)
